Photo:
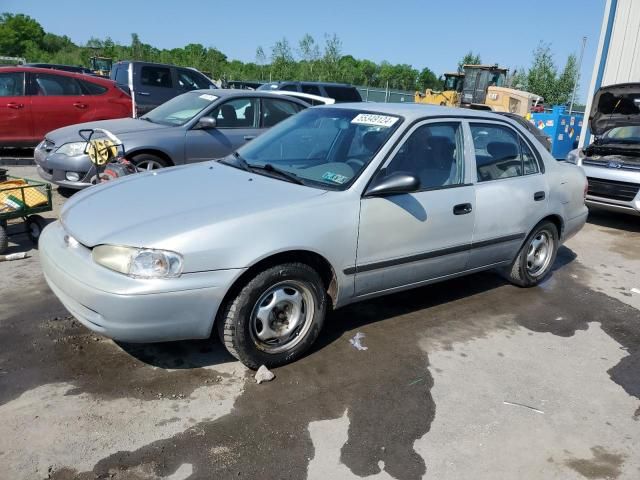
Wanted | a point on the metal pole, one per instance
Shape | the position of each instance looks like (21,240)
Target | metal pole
(575,84)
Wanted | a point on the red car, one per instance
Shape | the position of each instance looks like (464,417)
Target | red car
(34,101)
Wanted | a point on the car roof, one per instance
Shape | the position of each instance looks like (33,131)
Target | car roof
(53,71)
(241,92)
(416,111)
(304,82)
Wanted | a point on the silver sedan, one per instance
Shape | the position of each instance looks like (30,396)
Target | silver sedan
(333,205)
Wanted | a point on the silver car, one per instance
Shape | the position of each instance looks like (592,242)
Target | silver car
(334,205)
(612,161)
(192,127)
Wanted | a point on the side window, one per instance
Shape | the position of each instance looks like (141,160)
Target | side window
(434,153)
(91,88)
(501,153)
(343,94)
(274,111)
(292,87)
(311,89)
(156,77)
(237,113)
(190,80)
(122,75)
(12,84)
(55,85)
(529,162)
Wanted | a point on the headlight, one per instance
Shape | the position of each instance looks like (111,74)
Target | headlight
(574,156)
(72,149)
(139,262)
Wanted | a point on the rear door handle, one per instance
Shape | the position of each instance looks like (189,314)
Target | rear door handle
(462,209)
(143,93)
(14,105)
(80,105)
(249,137)
(538,196)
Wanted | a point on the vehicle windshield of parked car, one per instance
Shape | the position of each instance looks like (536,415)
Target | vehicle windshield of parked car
(322,147)
(179,110)
(630,134)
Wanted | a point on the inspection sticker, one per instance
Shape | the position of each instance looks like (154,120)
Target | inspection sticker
(334,177)
(373,119)
(209,97)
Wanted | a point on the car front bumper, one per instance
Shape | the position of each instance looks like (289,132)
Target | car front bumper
(613,189)
(128,309)
(53,167)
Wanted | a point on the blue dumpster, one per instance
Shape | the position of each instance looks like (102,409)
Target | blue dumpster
(562,128)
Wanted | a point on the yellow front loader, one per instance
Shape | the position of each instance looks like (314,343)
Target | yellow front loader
(449,96)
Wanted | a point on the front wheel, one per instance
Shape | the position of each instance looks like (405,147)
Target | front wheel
(275,317)
(536,257)
(147,161)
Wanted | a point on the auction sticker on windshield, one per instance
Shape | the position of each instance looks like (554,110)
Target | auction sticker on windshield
(206,96)
(374,119)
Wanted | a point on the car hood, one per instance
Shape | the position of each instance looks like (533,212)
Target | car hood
(119,126)
(615,106)
(166,208)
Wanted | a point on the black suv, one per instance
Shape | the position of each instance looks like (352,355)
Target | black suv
(155,83)
(340,92)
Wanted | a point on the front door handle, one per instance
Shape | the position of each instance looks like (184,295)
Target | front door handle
(462,209)
(539,196)
(143,93)
(15,106)
(249,137)
(79,105)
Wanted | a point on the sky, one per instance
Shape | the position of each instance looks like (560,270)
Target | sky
(434,34)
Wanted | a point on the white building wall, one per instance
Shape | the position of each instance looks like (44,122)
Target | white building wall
(620,62)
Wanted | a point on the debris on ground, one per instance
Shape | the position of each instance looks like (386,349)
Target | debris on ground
(13,256)
(355,341)
(264,375)
(515,404)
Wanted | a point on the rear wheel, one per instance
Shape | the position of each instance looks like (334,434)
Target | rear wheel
(536,257)
(275,317)
(148,161)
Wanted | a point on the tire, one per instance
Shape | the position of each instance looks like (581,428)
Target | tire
(148,161)
(535,259)
(4,238)
(35,225)
(292,291)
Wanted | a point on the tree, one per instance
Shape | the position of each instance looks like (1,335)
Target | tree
(282,61)
(310,54)
(470,58)
(331,57)
(541,78)
(566,81)
(15,33)
(428,79)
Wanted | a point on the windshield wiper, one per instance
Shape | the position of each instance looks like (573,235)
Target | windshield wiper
(292,177)
(147,119)
(237,162)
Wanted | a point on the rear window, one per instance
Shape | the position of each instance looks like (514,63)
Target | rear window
(343,94)
(122,75)
(91,88)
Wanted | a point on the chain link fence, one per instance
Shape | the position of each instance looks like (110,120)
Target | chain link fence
(387,95)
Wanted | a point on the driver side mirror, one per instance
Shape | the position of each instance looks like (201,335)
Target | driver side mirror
(206,123)
(394,184)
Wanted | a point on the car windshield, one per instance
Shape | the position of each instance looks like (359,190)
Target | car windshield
(179,110)
(322,147)
(629,134)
